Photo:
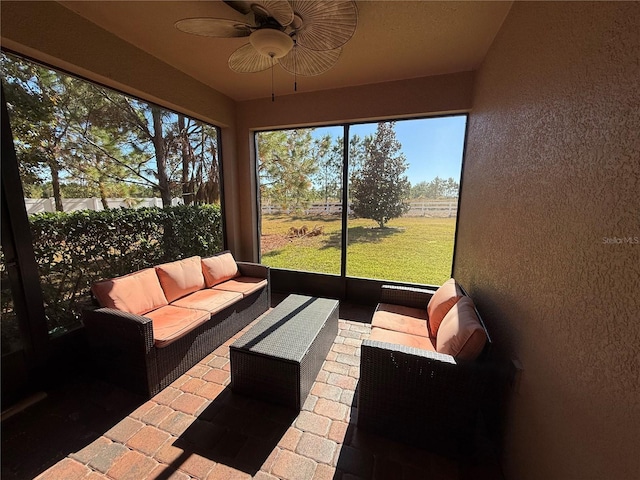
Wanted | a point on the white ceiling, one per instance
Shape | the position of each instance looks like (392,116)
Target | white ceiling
(394,40)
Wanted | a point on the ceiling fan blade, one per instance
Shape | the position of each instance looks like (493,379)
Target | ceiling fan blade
(307,62)
(239,6)
(214,27)
(247,59)
(279,10)
(325,25)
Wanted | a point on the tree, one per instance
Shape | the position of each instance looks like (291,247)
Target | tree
(380,188)
(329,174)
(358,147)
(271,152)
(436,188)
(41,108)
(285,167)
(171,153)
(451,188)
(66,129)
(100,157)
(329,156)
(198,146)
(148,136)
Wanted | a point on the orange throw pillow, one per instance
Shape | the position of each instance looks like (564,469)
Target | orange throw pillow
(461,334)
(440,304)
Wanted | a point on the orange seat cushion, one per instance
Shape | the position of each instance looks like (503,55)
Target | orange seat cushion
(399,338)
(441,302)
(171,323)
(461,334)
(138,292)
(208,299)
(244,285)
(180,278)
(401,319)
(219,268)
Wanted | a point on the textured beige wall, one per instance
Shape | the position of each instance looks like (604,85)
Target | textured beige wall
(552,170)
(407,98)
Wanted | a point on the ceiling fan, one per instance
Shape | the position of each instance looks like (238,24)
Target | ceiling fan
(304,37)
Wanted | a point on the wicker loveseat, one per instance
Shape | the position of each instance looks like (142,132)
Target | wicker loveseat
(423,369)
(155,324)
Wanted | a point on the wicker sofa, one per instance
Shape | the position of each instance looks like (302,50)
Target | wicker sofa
(423,370)
(156,323)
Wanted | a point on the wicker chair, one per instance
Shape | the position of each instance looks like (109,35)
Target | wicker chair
(418,396)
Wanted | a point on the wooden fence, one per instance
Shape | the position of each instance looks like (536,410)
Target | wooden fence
(434,208)
(419,208)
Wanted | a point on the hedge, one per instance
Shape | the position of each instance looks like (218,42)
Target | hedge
(75,249)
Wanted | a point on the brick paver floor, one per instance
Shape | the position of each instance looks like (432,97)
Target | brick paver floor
(198,429)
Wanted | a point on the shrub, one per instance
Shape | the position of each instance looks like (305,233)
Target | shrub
(75,249)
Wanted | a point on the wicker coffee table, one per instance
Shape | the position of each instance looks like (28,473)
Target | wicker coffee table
(278,359)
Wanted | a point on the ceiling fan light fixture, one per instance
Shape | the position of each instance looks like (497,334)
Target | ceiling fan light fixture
(271,42)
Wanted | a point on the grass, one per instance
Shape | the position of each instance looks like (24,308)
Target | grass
(410,249)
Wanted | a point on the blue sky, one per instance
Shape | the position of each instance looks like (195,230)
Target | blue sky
(433,146)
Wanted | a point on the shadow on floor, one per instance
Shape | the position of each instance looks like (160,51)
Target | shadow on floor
(71,416)
(237,431)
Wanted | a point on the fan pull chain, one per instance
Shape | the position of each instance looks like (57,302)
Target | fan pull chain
(295,65)
(273,96)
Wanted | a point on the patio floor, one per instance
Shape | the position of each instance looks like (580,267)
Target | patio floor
(197,428)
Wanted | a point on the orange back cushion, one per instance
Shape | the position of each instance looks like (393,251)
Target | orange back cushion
(219,268)
(138,293)
(440,304)
(180,278)
(461,334)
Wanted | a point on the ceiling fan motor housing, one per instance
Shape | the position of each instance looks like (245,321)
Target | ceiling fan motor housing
(304,37)
(271,42)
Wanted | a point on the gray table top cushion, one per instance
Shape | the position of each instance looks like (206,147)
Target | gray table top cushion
(289,329)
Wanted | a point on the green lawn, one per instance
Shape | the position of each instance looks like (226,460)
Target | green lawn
(410,249)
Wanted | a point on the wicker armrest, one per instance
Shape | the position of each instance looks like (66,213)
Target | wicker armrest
(256,270)
(122,345)
(407,296)
(115,327)
(403,349)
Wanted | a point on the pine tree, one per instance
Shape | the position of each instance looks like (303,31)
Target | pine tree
(379,188)
(286,167)
(328,178)
(68,130)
